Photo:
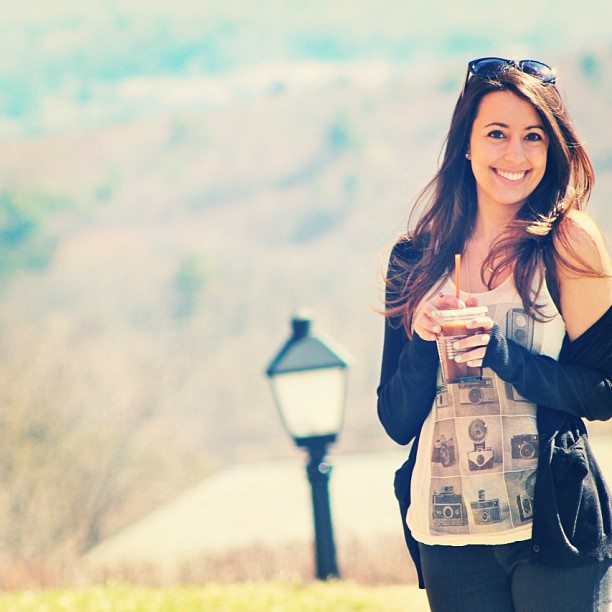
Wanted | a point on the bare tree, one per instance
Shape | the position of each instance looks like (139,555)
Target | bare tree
(80,445)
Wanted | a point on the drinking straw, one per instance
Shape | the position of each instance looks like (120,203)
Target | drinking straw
(457,274)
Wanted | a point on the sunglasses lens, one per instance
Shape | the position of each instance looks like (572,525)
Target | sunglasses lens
(539,70)
(488,67)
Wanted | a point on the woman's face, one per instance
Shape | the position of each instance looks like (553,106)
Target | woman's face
(508,150)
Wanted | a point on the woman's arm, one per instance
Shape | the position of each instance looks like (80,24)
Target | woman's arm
(580,384)
(407,383)
(409,367)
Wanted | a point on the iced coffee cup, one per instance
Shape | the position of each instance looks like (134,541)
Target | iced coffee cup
(453,324)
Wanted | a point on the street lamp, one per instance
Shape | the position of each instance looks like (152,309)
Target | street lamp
(308,379)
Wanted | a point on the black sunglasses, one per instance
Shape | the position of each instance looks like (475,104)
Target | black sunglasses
(491,68)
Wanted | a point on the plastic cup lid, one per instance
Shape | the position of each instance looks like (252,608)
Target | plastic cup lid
(463,313)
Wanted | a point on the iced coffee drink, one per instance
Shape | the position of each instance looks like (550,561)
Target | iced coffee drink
(453,324)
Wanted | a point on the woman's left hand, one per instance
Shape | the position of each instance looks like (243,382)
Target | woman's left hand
(474,347)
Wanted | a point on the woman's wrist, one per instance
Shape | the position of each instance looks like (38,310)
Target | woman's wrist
(497,355)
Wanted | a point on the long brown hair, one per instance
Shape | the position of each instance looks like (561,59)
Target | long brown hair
(449,205)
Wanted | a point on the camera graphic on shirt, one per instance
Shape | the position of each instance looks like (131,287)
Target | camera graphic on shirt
(444,451)
(524,499)
(520,327)
(443,397)
(481,458)
(448,507)
(524,504)
(524,446)
(485,510)
(477,391)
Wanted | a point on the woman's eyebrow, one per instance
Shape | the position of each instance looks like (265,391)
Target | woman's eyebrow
(505,125)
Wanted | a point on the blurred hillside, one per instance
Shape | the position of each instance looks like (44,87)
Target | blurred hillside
(71,64)
(173,189)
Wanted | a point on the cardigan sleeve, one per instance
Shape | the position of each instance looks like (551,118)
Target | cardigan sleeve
(579,384)
(408,373)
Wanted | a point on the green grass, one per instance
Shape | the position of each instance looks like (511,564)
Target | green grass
(251,597)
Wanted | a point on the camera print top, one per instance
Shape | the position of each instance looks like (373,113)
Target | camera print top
(476,463)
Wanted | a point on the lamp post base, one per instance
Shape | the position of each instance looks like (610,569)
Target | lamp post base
(318,471)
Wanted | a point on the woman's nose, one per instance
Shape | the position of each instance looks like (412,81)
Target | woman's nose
(515,151)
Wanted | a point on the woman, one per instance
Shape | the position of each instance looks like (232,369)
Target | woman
(503,504)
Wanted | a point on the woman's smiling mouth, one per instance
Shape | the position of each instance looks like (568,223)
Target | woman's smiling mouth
(511,176)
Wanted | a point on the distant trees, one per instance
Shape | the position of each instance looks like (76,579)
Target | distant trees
(25,242)
(590,66)
(86,444)
(83,450)
(341,134)
(188,282)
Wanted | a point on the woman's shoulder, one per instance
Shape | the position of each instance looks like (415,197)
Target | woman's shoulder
(579,241)
(580,222)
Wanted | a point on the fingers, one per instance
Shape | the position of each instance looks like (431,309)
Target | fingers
(472,358)
(444,301)
(484,323)
(424,325)
(466,344)
(471,350)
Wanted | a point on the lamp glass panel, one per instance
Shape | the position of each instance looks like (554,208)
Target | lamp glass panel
(311,401)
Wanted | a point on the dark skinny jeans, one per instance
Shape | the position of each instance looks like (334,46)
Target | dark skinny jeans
(500,578)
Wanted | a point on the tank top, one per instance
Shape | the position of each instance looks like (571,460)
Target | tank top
(476,464)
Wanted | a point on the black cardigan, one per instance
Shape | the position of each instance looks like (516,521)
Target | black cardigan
(572,518)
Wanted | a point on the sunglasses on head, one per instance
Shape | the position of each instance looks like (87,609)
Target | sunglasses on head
(491,68)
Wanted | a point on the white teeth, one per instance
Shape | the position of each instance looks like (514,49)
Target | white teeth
(512,176)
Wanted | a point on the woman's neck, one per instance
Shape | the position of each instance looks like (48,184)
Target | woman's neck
(489,226)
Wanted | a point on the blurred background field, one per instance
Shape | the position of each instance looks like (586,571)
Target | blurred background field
(178,178)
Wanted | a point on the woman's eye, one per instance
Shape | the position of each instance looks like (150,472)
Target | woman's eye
(496,134)
(533,137)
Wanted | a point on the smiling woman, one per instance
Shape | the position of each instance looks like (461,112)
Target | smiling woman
(492,495)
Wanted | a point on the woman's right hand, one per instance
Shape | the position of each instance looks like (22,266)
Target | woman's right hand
(424,324)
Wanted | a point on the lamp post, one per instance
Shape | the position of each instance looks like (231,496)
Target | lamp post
(308,379)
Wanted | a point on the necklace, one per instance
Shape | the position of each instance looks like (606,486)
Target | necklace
(467,270)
